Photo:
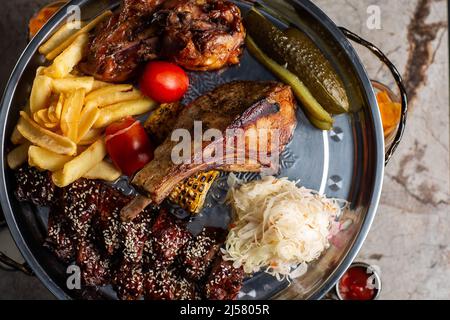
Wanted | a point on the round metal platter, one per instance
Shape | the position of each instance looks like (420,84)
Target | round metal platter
(346,162)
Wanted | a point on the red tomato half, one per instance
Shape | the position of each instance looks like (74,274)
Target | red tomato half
(128,145)
(164,82)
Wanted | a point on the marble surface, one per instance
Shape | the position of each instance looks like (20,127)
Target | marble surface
(410,237)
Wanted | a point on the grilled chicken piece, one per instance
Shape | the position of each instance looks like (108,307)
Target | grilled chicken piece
(224,282)
(198,255)
(253,107)
(197,34)
(201,34)
(121,43)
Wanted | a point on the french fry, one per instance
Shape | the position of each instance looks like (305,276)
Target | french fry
(59,106)
(43,137)
(88,117)
(46,160)
(120,110)
(100,84)
(70,117)
(41,118)
(62,34)
(85,30)
(103,171)
(17,137)
(80,165)
(40,93)
(69,58)
(101,96)
(90,137)
(70,84)
(18,156)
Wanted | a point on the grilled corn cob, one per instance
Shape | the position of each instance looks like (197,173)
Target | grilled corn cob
(191,194)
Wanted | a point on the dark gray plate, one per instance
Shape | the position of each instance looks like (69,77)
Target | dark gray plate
(347,162)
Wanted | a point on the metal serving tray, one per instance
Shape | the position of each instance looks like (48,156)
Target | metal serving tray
(346,162)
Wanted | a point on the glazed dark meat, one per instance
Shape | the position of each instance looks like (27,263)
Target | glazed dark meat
(224,282)
(35,186)
(60,239)
(197,34)
(106,223)
(95,268)
(128,280)
(196,257)
(164,284)
(168,237)
(80,203)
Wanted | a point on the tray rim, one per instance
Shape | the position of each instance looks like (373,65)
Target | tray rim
(343,43)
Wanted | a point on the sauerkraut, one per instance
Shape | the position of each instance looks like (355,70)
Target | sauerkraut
(277,226)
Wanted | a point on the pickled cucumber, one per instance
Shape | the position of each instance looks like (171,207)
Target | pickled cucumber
(302,57)
(312,107)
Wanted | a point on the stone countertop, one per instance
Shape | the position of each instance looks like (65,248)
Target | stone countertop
(410,238)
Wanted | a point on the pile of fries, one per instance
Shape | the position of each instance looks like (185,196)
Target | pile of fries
(61,129)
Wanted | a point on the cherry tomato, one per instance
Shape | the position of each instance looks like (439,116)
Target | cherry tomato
(128,145)
(164,82)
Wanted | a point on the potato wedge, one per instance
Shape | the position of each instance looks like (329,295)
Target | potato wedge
(80,165)
(90,137)
(46,160)
(40,93)
(73,83)
(41,117)
(89,116)
(120,110)
(85,30)
(61,35)
(17,137)
(103,171)
(70,117)
(69,58)
(18,156)
(43,137)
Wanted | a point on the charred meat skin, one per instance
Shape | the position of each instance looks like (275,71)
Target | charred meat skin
(201,35)
(35,186)
(246,105)
(224,282)
(196,34)
(196,257)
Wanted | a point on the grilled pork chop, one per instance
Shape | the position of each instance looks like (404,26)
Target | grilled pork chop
(252,107)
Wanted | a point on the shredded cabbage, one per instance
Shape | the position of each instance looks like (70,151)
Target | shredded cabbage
(278,227)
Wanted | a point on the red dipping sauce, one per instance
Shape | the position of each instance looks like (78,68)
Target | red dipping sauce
(357,284)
